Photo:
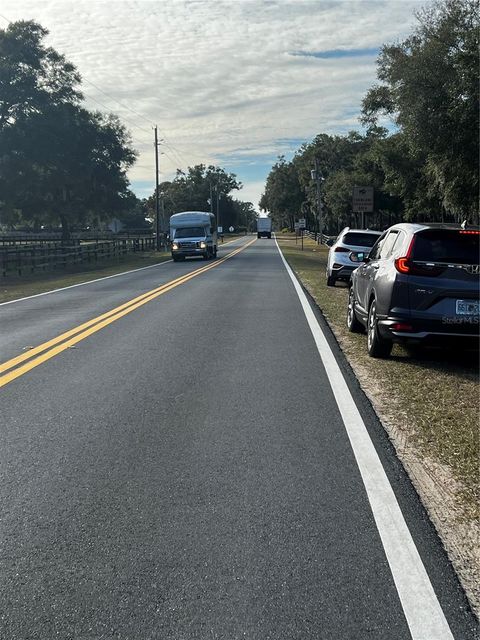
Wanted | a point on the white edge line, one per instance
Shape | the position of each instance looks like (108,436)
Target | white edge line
(422,610)
(81,284)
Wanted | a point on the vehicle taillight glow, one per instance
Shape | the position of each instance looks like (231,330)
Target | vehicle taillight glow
(400,326)
(405,265)
(470,233)
(402,265)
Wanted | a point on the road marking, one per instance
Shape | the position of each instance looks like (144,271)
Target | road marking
(81,284)
(43,352)
(422,610)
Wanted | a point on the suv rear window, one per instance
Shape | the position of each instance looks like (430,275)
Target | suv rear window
(360,239)
(440,245)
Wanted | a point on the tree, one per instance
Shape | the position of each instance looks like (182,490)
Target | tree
(59,163)
(430,89)
(134,214)
(336,156)
(65,165)
(245,215)
(33,78)
(201,188)
(283,195)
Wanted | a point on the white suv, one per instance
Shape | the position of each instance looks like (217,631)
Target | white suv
(339,265)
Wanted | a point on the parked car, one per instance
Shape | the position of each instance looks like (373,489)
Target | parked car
(419,283)
(339,264)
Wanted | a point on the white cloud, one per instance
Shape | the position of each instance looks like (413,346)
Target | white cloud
(218,76)
(251,192)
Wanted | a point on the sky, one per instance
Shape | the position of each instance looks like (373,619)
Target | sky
(232,83)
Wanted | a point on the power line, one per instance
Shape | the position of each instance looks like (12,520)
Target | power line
(190,153)
(174,150)
(118,101)
(124,106)
(174,162)
(123,118)
(177,156)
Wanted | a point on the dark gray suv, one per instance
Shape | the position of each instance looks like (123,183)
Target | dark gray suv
(419,283)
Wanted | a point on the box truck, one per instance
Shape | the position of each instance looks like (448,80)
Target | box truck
(264,227)
(193,233)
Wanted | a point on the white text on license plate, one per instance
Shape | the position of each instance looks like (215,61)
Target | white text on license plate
(468,307)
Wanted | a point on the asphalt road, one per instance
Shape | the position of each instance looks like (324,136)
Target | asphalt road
(185,471)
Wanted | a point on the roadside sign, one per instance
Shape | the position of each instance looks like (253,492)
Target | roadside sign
(220,230)
(362,200)
(297,226)
(231,229)
(301,223)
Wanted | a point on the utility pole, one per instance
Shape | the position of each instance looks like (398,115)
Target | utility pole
(157,195)
(163,218)
(218,212)
(317,176)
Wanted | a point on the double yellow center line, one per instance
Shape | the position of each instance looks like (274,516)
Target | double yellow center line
(18,366)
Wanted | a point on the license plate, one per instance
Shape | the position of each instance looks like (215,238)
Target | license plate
(468,307)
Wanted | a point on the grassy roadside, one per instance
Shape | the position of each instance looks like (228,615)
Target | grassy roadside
(436,392)
(429,403)
(14,287)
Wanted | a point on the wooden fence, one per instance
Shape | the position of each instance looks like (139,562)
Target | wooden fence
(21,259)
(12,238)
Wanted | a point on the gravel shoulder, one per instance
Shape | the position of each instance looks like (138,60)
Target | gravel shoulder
(429,403)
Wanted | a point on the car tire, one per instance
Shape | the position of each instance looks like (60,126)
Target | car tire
(378,347)
(353,324)
(331,281)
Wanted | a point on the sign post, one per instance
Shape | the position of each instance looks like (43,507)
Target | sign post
(301,226)
(362,201)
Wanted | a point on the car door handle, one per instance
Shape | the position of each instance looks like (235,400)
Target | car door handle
(375,266)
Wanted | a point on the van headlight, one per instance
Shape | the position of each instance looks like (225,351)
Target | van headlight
(203,245)
(174,246)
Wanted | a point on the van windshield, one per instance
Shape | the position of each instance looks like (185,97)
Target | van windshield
(190,232)
(441,245)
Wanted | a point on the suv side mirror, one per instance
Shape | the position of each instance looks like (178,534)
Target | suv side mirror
(358,256)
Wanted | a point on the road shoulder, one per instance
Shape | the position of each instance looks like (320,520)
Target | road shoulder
(440,489)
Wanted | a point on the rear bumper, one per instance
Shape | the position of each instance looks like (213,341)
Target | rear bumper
(458,328)
(343,272)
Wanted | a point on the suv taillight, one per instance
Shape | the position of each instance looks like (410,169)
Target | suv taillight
(416,268)
(341,250)
(405,265)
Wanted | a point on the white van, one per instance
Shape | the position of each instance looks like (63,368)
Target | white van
(193,233)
